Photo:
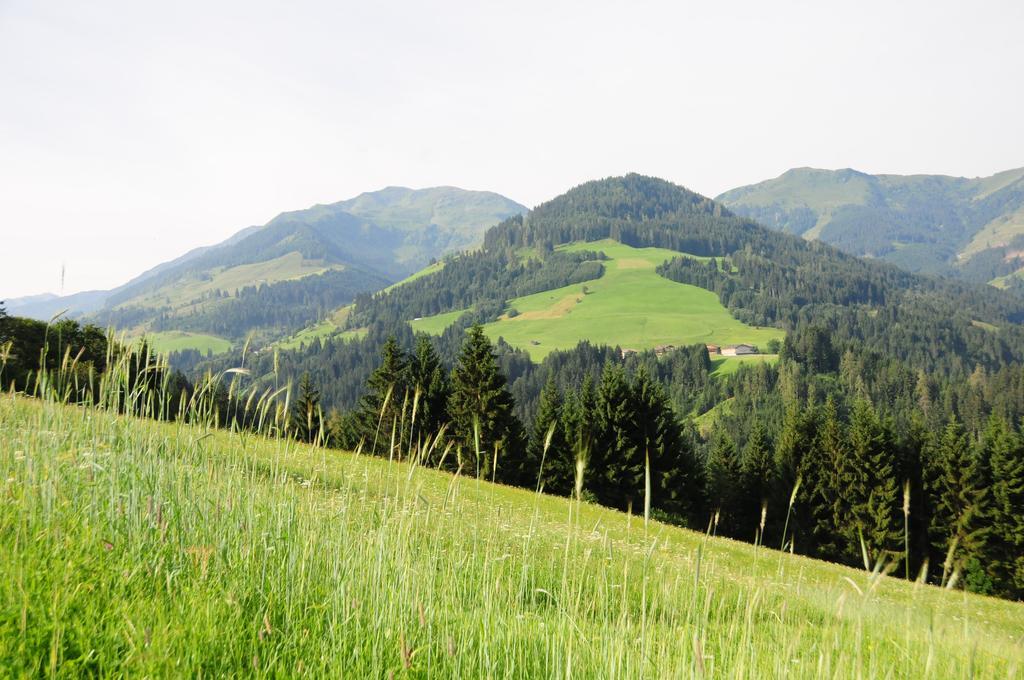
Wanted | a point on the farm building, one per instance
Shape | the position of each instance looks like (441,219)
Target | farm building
(714,349)
(736,350)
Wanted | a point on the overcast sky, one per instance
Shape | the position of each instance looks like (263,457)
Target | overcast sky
(133,131)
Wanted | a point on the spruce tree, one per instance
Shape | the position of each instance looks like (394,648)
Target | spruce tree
(958,530)
(306,415)
(616,469)
(872,485)
(579,414)
(795,460)
(549,415)
(381,406)
(480,408)
(724,484)
(665,451)
(1003,461)
(833,535)
(758,469)
(427,376)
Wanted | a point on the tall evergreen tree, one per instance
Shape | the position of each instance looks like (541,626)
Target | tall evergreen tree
(724,484)
(872,483)
(381,406)
(957,527)
(667,456)
(427,377)
(480,408)
(1003,463)
(796,461)
(549,452)
(759,477)
(306,417)
(832,505)
(617,467)
(579,413)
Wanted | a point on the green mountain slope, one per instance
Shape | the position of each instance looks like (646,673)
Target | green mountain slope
(930,223)
(135,548)
(629,305)
(277,278)
(526,285)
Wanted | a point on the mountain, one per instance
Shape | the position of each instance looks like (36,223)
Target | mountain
(280,276)
(973,228)
(641,264)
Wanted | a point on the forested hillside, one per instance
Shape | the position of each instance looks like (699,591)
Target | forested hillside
(970,228)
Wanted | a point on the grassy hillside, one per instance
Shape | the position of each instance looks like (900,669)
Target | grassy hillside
(630,306)
(175,341)
(131,547)
(200,290)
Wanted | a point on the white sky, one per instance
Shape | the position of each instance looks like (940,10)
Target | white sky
(133,131)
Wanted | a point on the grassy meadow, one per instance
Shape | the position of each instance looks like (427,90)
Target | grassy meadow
(630,306)
(165,342)
(329,327)
(135,547)
(435,325)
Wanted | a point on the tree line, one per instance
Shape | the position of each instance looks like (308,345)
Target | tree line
(808,468)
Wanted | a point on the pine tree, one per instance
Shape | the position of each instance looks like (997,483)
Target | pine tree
(832,517)
(758,478)
(480,408)
(1003,463)
(616,469)
(579,425)
(796,462)
(427,376)
(872,485)
(957,525)
(381,406)
(667,456)
(724,484)
(306,418)
(544,451)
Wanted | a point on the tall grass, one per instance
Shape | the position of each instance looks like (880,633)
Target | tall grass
(130,546)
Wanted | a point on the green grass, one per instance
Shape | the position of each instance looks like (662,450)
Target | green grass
(630,306)
(722,366)
(135,548)
(175,341)
(706,421)
(426,271)
(322,330)
(436,324)
(999,232)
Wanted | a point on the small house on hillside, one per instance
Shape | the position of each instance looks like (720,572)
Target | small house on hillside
(714,349)
(737,350)
(626,351)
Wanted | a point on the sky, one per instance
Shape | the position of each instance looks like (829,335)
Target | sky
(131,132)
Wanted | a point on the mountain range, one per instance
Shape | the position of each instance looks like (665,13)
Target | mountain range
(971,228)
(347,247)
(304,267)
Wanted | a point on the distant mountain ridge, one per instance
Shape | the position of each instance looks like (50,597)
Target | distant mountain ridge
(972,228)
(377,237)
